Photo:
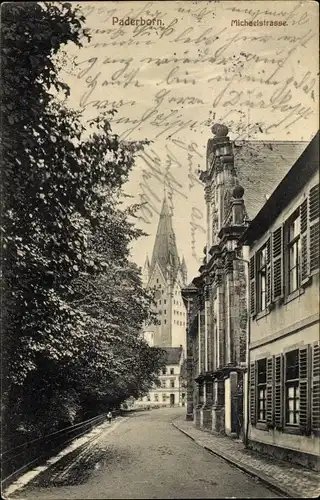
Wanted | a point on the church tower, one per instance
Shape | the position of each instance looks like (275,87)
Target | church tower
(167,275)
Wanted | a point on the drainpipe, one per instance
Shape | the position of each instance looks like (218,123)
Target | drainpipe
(247,263)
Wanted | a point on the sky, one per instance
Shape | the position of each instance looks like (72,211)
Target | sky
(172,70)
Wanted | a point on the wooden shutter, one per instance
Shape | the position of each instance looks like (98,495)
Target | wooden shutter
(269,284)
(314,227)
(270,390)
(252,395)
(253,294)
(315,392)
(278,392)
(304,265)
(304,389)
(277,263)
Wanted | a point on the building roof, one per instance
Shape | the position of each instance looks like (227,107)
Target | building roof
(189,291)
(191,286)
(260,166)
(173,355)
(165,250)
(303,168)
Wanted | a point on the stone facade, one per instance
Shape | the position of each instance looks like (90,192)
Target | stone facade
(216,301)
(253,348)
(237,178)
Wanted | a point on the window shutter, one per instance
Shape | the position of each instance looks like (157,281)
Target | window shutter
(315,393)
(304,367)
(253,294)
(278,392)
(269,284)
(304,267)
(270,389)
(253,411)
(277,252)
(314,227)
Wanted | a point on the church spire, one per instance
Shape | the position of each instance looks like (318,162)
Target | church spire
(146,271)
(184,270)
(165,251)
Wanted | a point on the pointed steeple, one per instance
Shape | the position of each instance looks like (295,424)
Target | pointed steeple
(165,251)
(184,270)
(146,271)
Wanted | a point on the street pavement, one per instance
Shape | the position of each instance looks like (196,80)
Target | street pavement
(290,480)
(142,456)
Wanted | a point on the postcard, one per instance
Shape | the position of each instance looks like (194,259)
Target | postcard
(160,248)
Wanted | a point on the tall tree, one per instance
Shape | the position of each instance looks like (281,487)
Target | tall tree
(73,303)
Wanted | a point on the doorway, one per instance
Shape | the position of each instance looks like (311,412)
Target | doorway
(171,399)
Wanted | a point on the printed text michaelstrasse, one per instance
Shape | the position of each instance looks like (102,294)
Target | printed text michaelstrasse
(238,22)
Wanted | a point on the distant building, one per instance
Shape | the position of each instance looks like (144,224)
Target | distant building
(237,178)
(172,389)
(149,337)
(284,350)
(166,274)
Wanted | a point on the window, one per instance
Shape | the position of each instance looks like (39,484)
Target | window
(164,301)
(293,252)
(171,371)
(164,397)
(262,389)
(165,311)
(165,321)
(148,397)
(172,382)
(163,371)
(157,280)
(262,278)
(292,408)
(163,383)
(156,397)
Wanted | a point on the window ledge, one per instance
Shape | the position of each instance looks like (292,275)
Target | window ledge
(294,295)
(261,314)
(262,426)
(292,430)
(307,282)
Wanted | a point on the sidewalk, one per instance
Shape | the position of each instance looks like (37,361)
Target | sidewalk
(78,443)
(290,480)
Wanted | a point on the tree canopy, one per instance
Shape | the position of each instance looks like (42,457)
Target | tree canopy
(73,302)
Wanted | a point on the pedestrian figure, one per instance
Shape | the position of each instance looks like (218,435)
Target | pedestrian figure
(109,417)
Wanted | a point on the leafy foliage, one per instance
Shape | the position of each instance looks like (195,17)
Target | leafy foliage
(73,302)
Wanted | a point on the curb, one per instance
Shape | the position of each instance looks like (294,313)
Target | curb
(247,469)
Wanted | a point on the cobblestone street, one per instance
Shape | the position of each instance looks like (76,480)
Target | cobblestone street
(143,456)
(290,479)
